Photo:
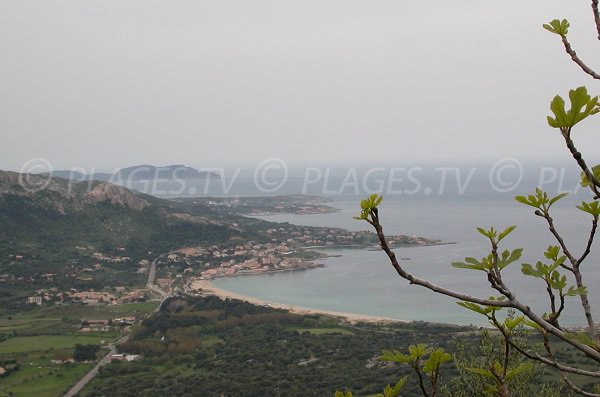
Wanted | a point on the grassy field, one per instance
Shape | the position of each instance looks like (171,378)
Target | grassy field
(40,378)
(64,319)
(35,338)
(22,344)
(322,331)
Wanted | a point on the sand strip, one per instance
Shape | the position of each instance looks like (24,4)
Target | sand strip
(208,288)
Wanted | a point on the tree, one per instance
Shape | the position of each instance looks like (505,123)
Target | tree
(559,272)
(86,352)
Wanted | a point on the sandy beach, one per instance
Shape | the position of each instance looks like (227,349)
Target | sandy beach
(208,288)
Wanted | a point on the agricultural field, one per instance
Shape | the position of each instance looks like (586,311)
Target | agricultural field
(37,347)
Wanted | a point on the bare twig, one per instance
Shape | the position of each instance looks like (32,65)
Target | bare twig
(589,243)
(564,376)
(502,389)
(576,263)
(596,16)
(547,361)
(559,240)
(424,283)
(594,183)
(585,303)
(577,60)
(421,381)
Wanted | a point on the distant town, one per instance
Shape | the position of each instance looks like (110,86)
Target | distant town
(269,205)
(291,248)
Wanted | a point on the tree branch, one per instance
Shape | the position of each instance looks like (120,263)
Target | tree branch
(547,361)
(421,381)
(593,182)
(585,304)
(564,377)
(559,240)
(589,243)
(577,60)
(512,300)
(424,283)
(596,16)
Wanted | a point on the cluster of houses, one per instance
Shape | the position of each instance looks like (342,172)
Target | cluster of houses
(91,297)
(104,324)
(250,258)
(264,264)
(108,258)
(125,357)
(254,258)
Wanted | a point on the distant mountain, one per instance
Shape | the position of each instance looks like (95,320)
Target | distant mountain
(168,181)
(45,213)
(139,173)
(78,176)
(150,172)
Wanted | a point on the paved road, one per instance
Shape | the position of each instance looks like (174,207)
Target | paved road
(113,346)
(94,371)
(151,276)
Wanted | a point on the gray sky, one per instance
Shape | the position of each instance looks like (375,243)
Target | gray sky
(115,83)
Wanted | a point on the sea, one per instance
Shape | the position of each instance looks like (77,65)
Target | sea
(446,203)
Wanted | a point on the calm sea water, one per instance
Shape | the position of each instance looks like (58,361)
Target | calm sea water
(361,281)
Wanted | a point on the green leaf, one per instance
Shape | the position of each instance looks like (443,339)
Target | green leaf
(557,263)
(364,204)
(485,310)
(582,106)
(558,27)
(394,391)
(592,208)
(509,257)
(533,324)
(519,369)
(524,200)
(556,198)
(512,323)
(418,351)
(582,337)
(487,233)
(367,206)
(396,356)
(435,359)
(557,281)
(595,172)
(528,270)
(557,106)
(506,232)
(538,200)
(480,371)
(552,252)
(471,263)
(572,291)
(378,201)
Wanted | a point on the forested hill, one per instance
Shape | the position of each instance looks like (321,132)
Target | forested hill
(65,214)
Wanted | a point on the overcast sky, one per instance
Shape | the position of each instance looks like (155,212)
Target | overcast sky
(114,83)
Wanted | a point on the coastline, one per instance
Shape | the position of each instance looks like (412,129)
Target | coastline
(209,289)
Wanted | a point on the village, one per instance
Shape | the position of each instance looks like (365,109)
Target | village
(292,248)
(286,248)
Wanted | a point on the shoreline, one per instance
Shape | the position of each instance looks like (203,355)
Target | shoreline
(209,289)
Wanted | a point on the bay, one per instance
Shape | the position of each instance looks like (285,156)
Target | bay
(363,282)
